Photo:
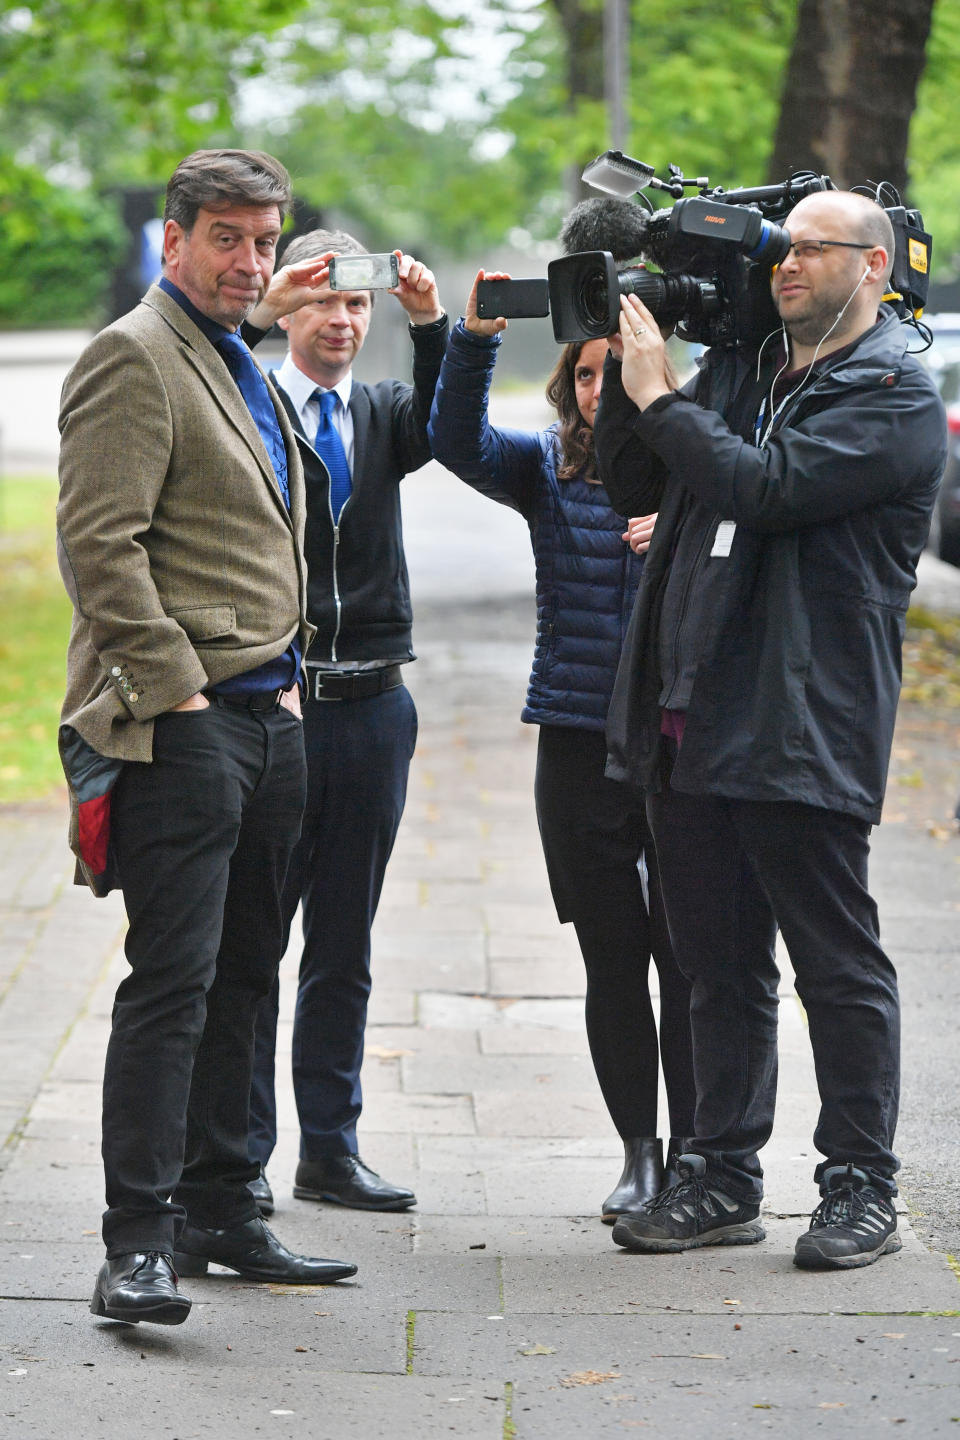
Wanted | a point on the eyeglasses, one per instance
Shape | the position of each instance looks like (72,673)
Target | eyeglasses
(813,249)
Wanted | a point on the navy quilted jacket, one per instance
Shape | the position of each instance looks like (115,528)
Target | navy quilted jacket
(587,576)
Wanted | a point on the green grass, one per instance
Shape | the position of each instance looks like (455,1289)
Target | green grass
(34,624)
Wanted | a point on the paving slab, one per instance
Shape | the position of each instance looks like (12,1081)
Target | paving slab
(514,1040)
(504,1112)
(522,1073)
(842,1378)
(251,1401)
(420,1114)
(404,1040)
(742,1279)
(556,975)
(510,1236)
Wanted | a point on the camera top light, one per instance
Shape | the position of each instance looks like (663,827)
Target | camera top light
(616,174)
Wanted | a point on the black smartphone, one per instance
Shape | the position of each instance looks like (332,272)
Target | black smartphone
(513,299)
(364,272)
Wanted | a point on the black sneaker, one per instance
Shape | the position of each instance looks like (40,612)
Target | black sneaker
(852,1226)
(689,1214)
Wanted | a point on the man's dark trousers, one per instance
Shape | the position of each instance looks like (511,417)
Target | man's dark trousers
(358,759)
(731,872)
(203,838)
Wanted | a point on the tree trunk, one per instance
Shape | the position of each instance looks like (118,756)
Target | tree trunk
(850,90)
(582,25)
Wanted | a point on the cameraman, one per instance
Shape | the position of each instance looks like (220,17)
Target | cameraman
(755,704)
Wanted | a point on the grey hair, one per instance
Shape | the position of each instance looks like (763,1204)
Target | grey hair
(316,242)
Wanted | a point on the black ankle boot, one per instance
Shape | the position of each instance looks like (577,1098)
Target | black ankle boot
(642,1178)
(675,1148)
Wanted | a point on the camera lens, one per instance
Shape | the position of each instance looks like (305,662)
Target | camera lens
(594,301)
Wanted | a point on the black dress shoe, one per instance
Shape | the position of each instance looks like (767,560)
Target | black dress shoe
(140,1286)
(255,1253)
(261,1192)
(642,1178)
(345,1180)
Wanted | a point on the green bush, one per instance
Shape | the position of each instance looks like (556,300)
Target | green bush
(58,249)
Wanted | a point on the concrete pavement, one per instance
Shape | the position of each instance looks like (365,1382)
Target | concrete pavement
(499,1307)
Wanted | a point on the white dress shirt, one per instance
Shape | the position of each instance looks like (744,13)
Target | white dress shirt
(301,390)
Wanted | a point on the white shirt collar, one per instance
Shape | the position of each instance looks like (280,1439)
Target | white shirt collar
(300,388)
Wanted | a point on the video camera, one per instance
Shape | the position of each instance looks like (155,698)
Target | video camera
(713,252)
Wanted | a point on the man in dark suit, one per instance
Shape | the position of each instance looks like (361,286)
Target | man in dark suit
(180,528)
(360,724)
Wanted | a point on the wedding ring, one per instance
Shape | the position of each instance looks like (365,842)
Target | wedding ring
(640,330)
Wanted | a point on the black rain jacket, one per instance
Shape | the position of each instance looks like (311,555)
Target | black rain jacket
(797,686)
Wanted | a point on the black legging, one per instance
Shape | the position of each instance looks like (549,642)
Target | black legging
(594,832)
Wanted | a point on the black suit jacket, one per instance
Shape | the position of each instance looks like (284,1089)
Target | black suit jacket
(358,592)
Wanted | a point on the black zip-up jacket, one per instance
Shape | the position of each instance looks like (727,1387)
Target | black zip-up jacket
(796,688)
(358,591)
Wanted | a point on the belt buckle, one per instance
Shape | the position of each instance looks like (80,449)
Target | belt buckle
(318,681)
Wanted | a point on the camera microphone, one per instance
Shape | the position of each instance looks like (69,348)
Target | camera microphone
(617,226)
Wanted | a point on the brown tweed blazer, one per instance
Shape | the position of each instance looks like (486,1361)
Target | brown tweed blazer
(175,546)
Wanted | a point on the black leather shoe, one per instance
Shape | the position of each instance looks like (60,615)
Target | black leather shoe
(140,1286)
(642,1178)
(345,1180)
(261,1192)
(255,1253)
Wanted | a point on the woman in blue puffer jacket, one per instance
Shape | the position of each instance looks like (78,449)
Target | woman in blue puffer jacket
(594,832)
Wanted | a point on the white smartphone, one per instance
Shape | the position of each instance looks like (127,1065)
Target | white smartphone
(364,272)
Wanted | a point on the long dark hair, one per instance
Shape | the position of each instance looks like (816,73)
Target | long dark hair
(575,435)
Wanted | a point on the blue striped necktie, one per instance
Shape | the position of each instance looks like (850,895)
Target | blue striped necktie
(329,447)
(253,388)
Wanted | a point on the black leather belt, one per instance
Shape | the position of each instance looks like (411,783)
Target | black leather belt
(353,685)
(246,700)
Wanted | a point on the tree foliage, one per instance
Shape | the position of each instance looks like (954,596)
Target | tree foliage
(934,152)
(97,94)
(375,127)
(57,249)
(437,125)
(117,89)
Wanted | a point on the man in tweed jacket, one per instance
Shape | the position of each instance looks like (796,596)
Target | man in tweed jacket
(180,535)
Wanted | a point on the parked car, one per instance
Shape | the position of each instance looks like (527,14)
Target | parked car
(943,359)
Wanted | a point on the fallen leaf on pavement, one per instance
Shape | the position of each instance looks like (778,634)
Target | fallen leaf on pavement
(589,1377)
(539,1350)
